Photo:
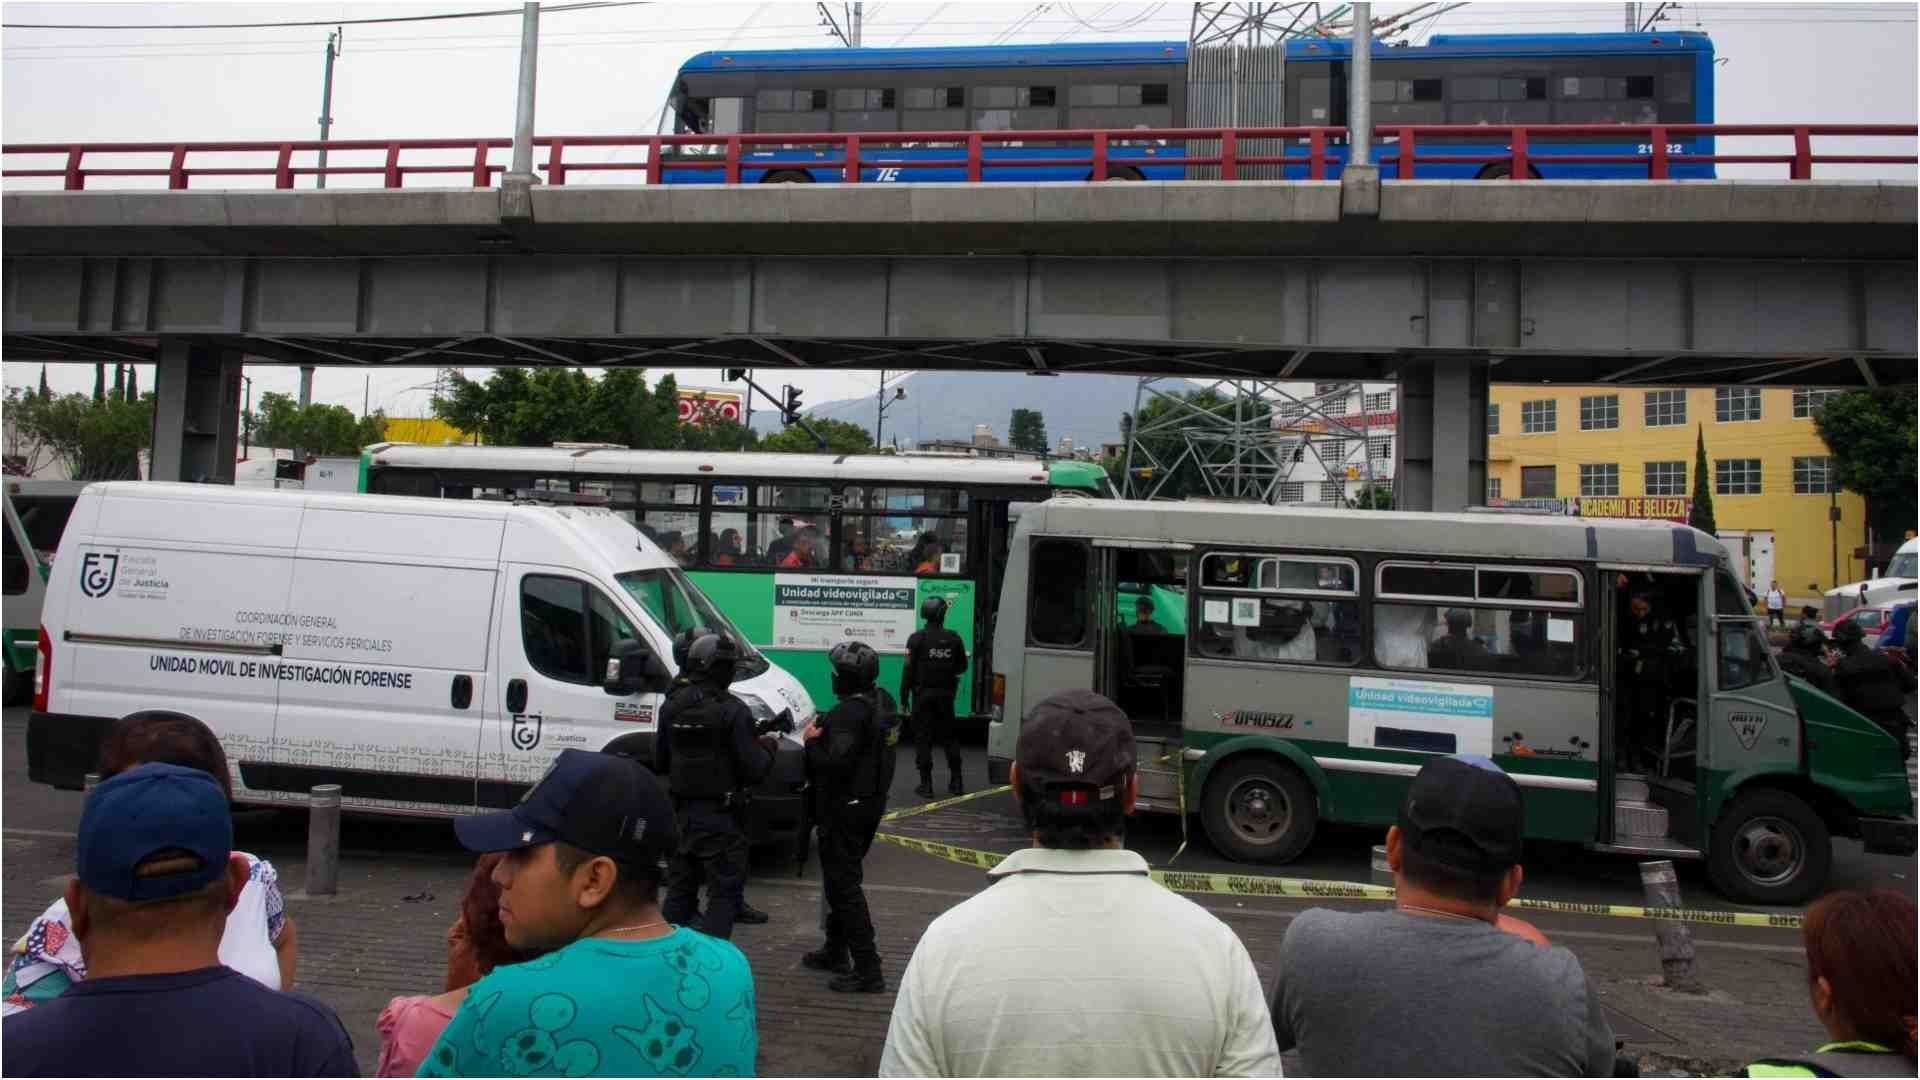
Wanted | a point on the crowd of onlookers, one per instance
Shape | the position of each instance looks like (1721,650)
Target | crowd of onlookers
(800,544)
(170,953)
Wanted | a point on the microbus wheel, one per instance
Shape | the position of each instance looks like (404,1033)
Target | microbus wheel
(1769,847)
(786,176)
(1122,172)
(1258,809)
(1505,172)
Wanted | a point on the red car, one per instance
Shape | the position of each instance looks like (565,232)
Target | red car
(1872,620)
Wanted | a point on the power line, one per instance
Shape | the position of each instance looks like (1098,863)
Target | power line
(320,22)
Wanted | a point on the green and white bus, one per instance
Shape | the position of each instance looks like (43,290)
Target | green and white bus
(1324,654)
(888,532)
(36,515)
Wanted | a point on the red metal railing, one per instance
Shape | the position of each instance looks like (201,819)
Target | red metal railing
(1315,151)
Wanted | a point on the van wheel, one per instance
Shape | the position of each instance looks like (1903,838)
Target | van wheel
(1769,847)
(1259,809)
(1121,172)
(786,176)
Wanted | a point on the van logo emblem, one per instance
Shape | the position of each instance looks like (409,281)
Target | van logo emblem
(97,571)
(1746,727)
(526,731)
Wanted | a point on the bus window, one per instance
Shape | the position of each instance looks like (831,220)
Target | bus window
(1057,605)
(905,530)
(667,513)
(1502,620)
(1268,607)
(791,527)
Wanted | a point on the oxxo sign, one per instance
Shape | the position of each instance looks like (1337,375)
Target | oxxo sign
(696,405)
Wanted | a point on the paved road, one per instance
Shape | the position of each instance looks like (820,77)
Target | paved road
(383,935)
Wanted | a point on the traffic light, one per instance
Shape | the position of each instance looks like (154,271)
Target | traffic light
(735,374)
(792,407)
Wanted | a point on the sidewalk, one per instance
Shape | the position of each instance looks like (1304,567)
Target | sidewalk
(384,935)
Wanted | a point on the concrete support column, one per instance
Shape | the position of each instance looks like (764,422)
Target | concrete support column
(1442,457)
(196,414)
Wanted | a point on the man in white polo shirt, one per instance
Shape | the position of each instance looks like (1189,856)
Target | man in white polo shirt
(1074,962)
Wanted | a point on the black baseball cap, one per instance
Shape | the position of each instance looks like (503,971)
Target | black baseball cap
(1464,811)
(603,804)
(1076,745)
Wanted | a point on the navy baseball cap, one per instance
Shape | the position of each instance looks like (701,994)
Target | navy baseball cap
(1466,812)
(153,810)
(604,804)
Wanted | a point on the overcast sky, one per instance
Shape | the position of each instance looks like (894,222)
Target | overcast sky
(607,71)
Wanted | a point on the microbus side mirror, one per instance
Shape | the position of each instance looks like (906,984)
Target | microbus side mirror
(633,669)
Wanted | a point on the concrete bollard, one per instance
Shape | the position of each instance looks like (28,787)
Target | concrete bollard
(323,840)
(91,781)
(1662,889)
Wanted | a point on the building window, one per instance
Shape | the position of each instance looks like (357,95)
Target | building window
(1292,410)
(1538,417)
(1813,476)
(1379,403)
(1380,448)
(1736,403)
(1736,476)
(1666,478)
(1537,482)
(1291,492)
(1600,412)
(1493,418)
(1493,488)
(1808,401)
(1600,479)
(1666,408)
(1333,453)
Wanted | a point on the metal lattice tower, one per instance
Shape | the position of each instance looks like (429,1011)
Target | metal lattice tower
(1246,440)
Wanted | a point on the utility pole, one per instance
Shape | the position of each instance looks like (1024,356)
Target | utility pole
(334,41)
(1633,17)
(854,37)
(1360,89)
(516,187)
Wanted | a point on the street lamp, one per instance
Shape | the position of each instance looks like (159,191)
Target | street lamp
(882,404)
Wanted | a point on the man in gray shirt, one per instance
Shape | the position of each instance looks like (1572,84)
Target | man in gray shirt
(1443,985)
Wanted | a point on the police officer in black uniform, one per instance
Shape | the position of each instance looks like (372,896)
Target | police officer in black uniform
(1804,656)
(707,752)
(935,658)
(748,914)
(850,761)
(1872,683)
(1650,646)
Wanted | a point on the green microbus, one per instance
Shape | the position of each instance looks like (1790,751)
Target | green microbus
(1322,655)
(800,551)
(36,515)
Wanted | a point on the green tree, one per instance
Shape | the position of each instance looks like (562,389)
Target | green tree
(1871,436)
(282,423)
(98,439)
(1701,515)
(1374,497)
(515,407)
(1027,430)
(842,438)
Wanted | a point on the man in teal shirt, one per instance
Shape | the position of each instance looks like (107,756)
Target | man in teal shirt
(619,992)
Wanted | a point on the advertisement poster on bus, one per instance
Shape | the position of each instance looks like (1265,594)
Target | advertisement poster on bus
(1414,714)
(818,611)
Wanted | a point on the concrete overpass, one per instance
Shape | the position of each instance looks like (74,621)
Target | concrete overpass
(1439,284)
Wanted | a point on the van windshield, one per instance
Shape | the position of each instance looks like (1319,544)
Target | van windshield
(1903,565)
(677,605)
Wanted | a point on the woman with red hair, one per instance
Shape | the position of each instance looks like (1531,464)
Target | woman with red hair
(1860,975)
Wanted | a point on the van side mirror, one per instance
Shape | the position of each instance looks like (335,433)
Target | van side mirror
(633,668)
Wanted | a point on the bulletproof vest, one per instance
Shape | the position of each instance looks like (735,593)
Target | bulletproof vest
(1869,682)
(702,766)
(936,659)
(872,771)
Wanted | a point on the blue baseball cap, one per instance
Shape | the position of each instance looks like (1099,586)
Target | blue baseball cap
(150,810)
(604,804)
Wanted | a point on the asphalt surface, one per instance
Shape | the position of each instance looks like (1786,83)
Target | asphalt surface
(384,933)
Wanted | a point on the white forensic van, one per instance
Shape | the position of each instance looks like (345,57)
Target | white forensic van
(430,656)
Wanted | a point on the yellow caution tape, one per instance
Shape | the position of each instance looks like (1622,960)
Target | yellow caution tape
(1303,888)
(941,804)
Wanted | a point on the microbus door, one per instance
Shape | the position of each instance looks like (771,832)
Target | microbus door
(1059,651)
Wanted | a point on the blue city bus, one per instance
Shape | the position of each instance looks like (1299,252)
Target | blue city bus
(1454,79)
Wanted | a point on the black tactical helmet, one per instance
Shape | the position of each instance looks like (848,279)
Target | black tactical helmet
(934,609)
(684,642)
(1807,638)
(1848,632)
(712,657)
(855,667)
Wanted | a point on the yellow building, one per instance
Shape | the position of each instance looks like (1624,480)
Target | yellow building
(1606,451)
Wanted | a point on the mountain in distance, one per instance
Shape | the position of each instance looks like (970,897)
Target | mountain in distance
(947,405)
